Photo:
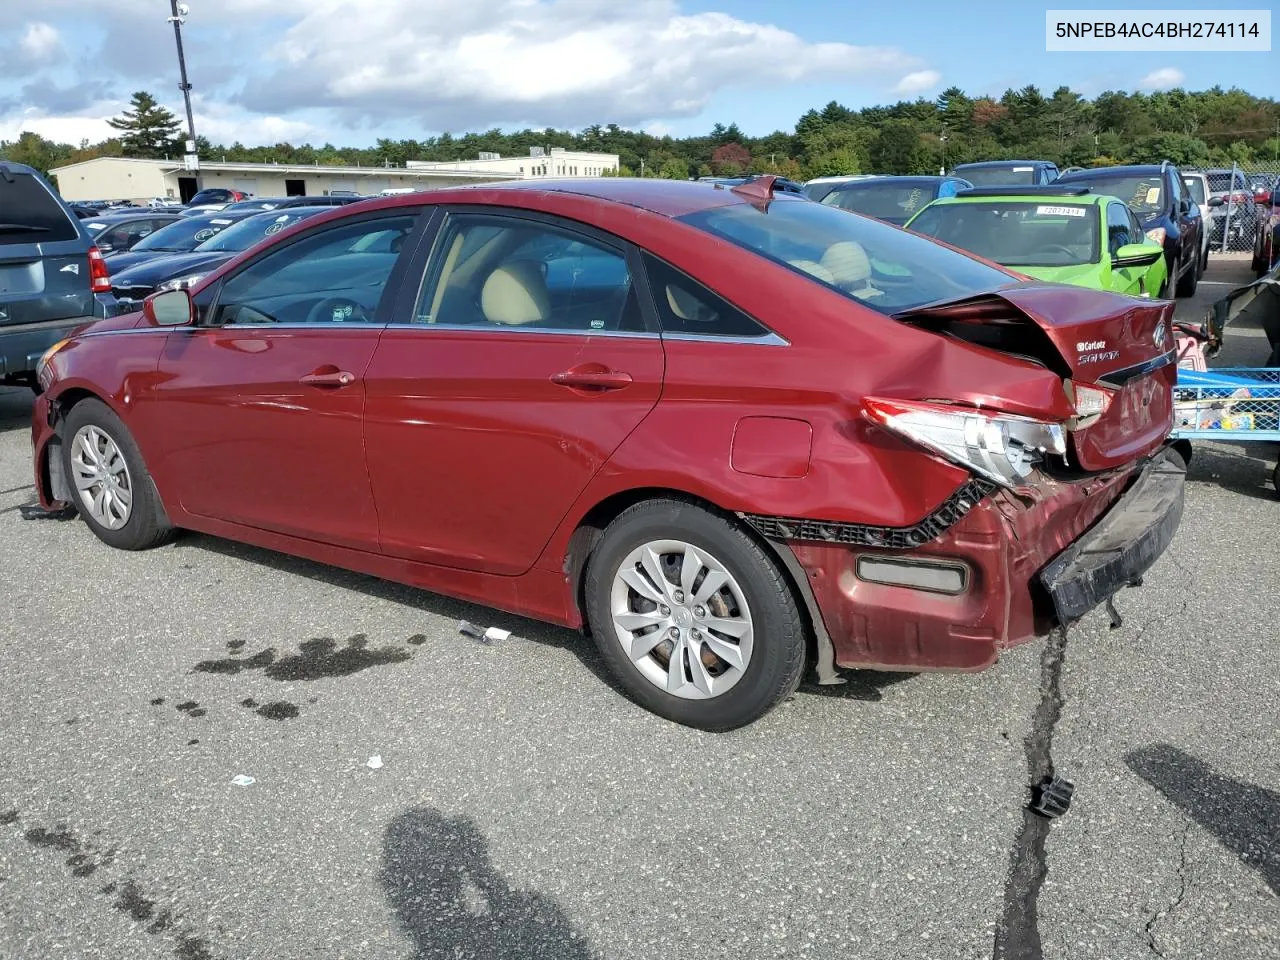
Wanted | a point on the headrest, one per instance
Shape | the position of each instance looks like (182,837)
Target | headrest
(516,294)
(847,263)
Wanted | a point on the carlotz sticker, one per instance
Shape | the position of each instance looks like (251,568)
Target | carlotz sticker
(1153,195)
(1061,211)
(204,234)
(1023,169)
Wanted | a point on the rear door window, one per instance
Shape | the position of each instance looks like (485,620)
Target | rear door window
(29,213)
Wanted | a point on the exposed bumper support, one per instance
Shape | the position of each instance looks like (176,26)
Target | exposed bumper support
(1123,545)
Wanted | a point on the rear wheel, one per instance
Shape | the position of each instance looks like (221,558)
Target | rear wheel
(697,622)
(111,488)
(1186,286)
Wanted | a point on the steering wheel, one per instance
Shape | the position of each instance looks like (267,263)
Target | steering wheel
(327,309)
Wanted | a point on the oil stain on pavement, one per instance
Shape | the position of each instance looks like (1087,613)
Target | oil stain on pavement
(315,660)
(85,858)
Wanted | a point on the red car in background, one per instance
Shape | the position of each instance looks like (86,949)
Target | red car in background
(732,432)
(1266,245)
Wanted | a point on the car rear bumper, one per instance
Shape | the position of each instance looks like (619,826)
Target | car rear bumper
(1030,564)
(22,345)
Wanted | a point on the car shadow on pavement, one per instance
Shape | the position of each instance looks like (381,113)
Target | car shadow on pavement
(446,894)
(15,408)
(865,685)
(1242,816)
(1243,468)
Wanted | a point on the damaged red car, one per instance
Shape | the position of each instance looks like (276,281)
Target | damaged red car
(736,435)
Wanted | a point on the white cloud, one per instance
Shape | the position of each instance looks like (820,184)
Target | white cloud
(225,124)
(60,129)
(918,82)
(1163,79)
(40,43)
(564,62)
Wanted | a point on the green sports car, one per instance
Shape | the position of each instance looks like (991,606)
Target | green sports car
(1062,234)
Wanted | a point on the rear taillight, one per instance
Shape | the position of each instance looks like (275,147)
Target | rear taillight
(1090,403)
(1156,235)
(998,446)
(98,275)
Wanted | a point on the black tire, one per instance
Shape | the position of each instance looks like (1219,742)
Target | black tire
(780,637)
(1187,282)
(146,526)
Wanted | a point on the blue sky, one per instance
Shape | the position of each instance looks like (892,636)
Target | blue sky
(350,71)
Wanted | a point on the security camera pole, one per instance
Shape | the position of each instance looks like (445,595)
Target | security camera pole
(178,18)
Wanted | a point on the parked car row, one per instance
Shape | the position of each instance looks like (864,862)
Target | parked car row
(754,433)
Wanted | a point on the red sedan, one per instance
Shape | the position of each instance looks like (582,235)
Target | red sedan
(730,432)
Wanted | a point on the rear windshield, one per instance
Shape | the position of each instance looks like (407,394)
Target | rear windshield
(1221,182)
(185,234)
(1143,194)
(1051,234)
(1195,187)
(246,233)
(29,213)
(997,176)
(882,267)
(889,200)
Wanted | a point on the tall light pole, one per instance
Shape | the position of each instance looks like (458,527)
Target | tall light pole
(178,13)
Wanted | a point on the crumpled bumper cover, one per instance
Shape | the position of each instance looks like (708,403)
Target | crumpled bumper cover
(1123,545)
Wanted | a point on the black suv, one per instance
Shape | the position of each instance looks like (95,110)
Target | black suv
(1156,193)
(52,278)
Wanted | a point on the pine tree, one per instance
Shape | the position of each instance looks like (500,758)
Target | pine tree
(148,130)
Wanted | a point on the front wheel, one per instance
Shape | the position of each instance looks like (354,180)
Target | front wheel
(111,488)
(694,618)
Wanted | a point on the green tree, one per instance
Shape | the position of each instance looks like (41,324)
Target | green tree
(148,130)
(1179,148)
(674,168)
(35,151)
(894,150)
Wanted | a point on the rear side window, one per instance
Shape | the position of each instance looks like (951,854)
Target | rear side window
(29,213)
(686,307)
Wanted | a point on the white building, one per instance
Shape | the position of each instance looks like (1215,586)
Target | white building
(556,162)
(121,178)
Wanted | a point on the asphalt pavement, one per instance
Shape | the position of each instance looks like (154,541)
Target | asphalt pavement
(417,794)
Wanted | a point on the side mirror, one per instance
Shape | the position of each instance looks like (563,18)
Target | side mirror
(1215,201)
(1136,255)
(172,308)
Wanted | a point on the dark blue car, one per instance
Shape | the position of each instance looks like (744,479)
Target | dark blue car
(1008,173)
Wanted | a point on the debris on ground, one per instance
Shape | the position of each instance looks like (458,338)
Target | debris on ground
(1051,797)
(33,511)
(374,762)
(240,780)
(483,635)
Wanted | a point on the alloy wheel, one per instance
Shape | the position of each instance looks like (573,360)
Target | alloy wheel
(101,477)
(682,619)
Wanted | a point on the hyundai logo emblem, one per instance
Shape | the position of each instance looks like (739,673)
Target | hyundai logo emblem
(1159,336)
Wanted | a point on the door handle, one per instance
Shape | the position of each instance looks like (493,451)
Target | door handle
(592,377)
(336,378)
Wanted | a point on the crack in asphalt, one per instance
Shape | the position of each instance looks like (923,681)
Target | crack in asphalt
(1188,591)
(1018,933)
(1150,928)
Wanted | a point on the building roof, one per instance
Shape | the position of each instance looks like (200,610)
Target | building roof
(219,166)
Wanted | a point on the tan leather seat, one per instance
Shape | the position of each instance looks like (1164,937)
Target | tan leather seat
(848,264)
(516,294)
(814,268)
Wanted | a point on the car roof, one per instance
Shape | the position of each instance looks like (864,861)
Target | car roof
(667,198)
(12,167)
(1004,163)
(1120,168)
(909,178)
(1025,195)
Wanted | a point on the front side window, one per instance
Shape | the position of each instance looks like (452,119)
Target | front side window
(332,276)
(1049,234)
(508,273)
(1117,227)
(880,266)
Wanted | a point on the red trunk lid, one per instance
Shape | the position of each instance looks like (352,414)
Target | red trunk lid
(1123,345)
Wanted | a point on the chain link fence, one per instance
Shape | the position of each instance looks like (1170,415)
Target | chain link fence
(1237,201)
